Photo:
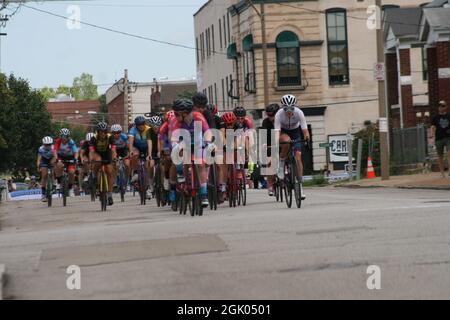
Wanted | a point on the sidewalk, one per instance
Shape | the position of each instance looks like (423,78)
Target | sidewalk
(432,181)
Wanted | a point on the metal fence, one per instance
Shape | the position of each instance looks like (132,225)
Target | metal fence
(409,146)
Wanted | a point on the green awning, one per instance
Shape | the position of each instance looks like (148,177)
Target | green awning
(232,51)
(247,43)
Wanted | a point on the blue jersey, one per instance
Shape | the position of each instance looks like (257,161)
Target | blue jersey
(66,150)
(140,138)
(46,154)
(122,142)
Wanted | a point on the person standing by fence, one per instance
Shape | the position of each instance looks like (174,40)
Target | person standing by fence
(441,128)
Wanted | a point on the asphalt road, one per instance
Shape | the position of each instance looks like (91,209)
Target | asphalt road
(262,251)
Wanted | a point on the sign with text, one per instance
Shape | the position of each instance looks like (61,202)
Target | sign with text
(338,151)
(379,71)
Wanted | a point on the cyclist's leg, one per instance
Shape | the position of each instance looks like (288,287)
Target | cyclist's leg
(134,160)
(59,169)
(203,183)
(71,171)
(127,164)
(284,150)
(44,176)
(173,183)
(85,168)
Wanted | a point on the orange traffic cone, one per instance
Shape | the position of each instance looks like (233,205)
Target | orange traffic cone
(370,170)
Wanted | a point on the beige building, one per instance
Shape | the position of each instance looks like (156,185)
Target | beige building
(321,51)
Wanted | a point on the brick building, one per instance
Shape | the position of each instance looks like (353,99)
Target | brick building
(410,33)
(77,113)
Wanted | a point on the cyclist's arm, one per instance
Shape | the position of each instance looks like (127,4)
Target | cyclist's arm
(304,126)
(130,144)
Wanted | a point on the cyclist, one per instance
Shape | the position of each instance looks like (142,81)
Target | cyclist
(84,155)
(140,142)
(269,124)
(242,120)
(65,150)
(154,123)
(185,118)
(164,150)
(291,121)
(120,140)
(102,150)
(46,158)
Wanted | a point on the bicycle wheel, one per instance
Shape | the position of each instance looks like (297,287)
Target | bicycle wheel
(197,196)
(65,188)
(142,186)
(122,183)
(49,188)
(297,186)
(288,186)
(92,186)
(213,190)
(244,192)
(157,186)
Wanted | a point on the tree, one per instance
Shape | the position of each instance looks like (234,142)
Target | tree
(187,94)
(103,112)
(24,121)
(83,88)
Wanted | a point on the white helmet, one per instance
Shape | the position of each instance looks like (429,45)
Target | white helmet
(289,101)
(47,140)
(89,136)
(116,128)
(64,132)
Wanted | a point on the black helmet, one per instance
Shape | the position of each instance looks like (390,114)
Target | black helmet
(273,108)
(240,112)
(200,99)
(183,105)
(102,126)
(140,120)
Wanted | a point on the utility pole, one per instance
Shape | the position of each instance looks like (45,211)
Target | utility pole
(127,100)
(262,16)
(384,124)
(3,20)
(264,49)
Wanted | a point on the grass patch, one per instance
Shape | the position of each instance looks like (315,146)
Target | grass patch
(317,181)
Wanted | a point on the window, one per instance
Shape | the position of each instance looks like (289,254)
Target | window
(207,42)
(215,93)
(338,71)
(224,31)
(197,50)
(288,59)
(424,64)
(212,40)
(228,97)
(220,34)
(249,64)
(202,44)
(223,93)
(228,23)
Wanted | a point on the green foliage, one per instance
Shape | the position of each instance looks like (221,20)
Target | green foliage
(77,133)
(187,94)
(317,181)
(371,137)
(103,113)
(83,88)
(24,121)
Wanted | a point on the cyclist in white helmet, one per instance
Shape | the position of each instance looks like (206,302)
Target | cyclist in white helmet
(46,158)
(290,122)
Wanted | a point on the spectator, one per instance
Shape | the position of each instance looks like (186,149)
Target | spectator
(441,128)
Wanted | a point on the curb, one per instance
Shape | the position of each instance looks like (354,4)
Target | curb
(2,279)
(354,186)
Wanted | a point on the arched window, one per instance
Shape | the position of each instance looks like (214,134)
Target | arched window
(338,70)
(249,64)
(288,59)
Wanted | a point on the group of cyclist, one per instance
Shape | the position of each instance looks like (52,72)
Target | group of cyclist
(156,139)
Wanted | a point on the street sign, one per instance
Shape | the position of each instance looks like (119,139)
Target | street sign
(379,71)
(324,145)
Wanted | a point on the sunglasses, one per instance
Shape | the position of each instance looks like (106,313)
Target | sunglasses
(288,109)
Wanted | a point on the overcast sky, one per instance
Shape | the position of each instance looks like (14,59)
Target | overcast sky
(42,49)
